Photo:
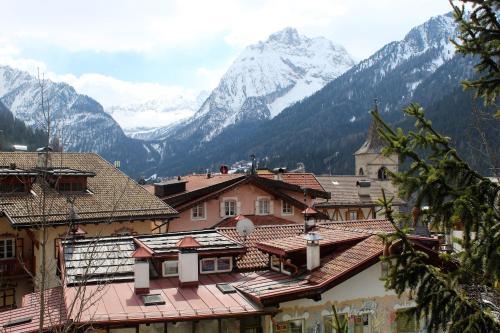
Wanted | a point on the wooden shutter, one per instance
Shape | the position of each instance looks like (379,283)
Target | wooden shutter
(271,207)
(238,207)
(222,209)
(19,247)
(256,207)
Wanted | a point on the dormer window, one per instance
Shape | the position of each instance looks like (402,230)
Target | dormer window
(67,180)
(216,265)
(14,180)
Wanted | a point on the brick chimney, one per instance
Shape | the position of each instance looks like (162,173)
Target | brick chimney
(141,270)
(313,250)
(188,261)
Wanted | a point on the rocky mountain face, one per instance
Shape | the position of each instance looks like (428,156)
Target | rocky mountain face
(78,120)
(266,78)
(325,129)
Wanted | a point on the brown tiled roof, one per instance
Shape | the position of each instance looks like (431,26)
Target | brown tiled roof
(344,192)
(283,246)
(304,180)
(375,225)
(256,219)
(254,258)
(113,196)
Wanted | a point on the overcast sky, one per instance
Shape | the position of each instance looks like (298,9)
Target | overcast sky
(126,51)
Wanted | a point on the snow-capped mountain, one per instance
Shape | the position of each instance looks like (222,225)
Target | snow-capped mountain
(266,78)
(78,120)
(136,119)
(332,122)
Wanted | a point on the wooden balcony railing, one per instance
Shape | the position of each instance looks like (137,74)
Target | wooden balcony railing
(16,267)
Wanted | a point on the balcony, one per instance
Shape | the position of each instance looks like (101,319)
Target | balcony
(16,267)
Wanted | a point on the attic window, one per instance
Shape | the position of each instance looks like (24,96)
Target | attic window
(226,288)
(14,180)
(16,322)
(153,299)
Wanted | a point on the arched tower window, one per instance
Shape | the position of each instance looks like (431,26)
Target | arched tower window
(361,172)
(382,174)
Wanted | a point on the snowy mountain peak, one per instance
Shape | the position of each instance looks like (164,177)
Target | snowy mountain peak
(288,36)
(266,78)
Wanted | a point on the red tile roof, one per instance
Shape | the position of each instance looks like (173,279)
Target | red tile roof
(284,246)
(337,267)
(337,264)
(118,301)
(304,180)
(254,258)
(55,312)
(256,219)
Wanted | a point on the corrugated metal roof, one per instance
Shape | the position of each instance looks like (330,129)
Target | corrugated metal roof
(119,302)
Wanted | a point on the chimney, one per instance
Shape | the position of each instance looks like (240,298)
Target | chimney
(313,250)
(188,261)
(363,186)
(141,270)
(170,187)
(44,158)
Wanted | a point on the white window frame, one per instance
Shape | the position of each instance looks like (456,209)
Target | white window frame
(274,268)
(280,268)
(283,203)
(258,210)
(196,208)
(163,266)
(4,240)
(227,200)
(216,268)
(350,216)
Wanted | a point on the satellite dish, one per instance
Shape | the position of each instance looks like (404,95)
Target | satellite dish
(244,226)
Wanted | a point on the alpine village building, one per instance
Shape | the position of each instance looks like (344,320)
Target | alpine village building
(186,264)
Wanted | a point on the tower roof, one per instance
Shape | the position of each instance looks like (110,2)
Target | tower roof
(373,143)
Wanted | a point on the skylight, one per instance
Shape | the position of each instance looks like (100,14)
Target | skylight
(153,299)
(226,288)
(15,322)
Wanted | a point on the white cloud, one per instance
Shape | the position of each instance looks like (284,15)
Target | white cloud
(110,91)
(118,25)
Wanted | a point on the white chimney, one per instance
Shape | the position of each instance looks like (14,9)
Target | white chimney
(364,187)
(141,276)
(188,262)
(141,270)
(313,250)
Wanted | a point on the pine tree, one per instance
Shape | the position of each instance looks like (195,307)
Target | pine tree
(479,36)
(462,293)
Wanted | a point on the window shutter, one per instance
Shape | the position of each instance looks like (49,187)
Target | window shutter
(271,207)
(19,247)
(256,207)
(238,207)
(222,209)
